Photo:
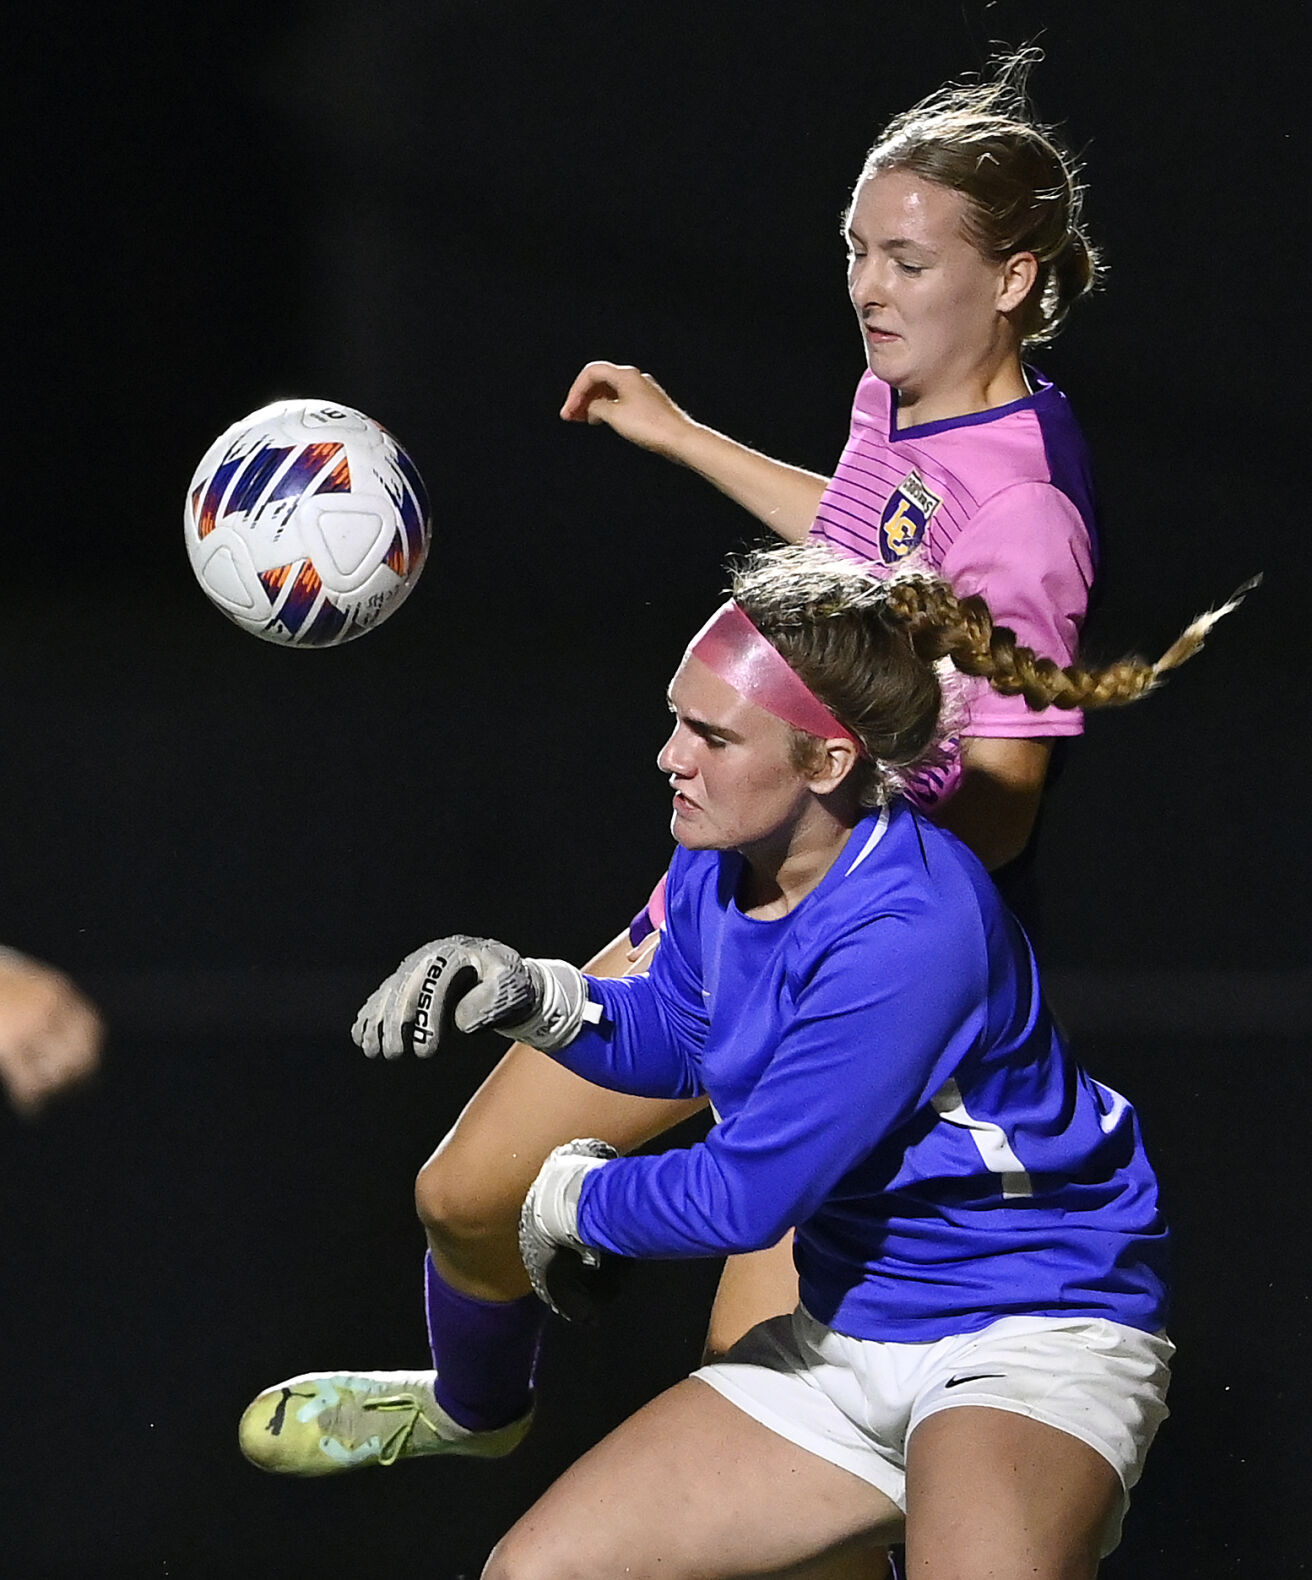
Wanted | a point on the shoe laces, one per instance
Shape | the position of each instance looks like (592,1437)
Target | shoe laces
(395,1446)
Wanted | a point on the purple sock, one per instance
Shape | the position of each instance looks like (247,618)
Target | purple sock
(485,1352)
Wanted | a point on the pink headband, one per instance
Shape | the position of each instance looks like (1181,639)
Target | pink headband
(731,647)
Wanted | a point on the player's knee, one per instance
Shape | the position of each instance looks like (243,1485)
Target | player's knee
(459,1207)
(503,1562)
(534,1556)
(447,1204)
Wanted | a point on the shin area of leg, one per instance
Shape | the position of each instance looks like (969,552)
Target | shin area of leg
(484,1324)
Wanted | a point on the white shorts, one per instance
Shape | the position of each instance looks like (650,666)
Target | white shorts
(856,1402)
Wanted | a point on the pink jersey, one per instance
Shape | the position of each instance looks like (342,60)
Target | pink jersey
(997,503)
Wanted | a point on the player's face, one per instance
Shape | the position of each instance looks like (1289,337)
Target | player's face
(730,766)
(928,301)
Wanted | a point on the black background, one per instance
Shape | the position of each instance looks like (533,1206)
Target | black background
(437,213)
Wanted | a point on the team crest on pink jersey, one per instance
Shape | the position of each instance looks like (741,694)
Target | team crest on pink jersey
(906,518)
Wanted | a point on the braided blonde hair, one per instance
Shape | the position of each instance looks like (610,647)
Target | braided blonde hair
(868,649)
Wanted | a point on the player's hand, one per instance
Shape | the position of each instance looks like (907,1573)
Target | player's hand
(574,1279)
(629,401)
(471,984)
(464,982)
(50,1035)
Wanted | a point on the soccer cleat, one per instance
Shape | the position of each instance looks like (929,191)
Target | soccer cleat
(326,1422)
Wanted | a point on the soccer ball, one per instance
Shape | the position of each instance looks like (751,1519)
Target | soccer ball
(307,523)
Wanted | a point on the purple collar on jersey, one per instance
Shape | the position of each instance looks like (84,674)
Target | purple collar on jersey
(731,647)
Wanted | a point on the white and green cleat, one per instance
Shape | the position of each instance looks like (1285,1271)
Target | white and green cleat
(327,1422)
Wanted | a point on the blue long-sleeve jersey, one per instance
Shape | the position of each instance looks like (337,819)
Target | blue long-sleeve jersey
(887,1078)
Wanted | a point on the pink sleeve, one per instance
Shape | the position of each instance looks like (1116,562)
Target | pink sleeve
(1027,553)
(651,918)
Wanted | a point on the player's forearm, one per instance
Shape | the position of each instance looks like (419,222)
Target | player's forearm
(784,497)
(680,1204)
(633,1049)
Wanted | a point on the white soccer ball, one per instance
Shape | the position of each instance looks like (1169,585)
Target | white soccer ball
(307,523)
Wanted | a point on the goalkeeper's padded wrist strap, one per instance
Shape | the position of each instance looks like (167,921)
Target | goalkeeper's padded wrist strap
(555,1194)
(563,1006)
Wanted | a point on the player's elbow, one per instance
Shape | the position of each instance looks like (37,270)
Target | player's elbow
(728,1203)
(1001,845)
